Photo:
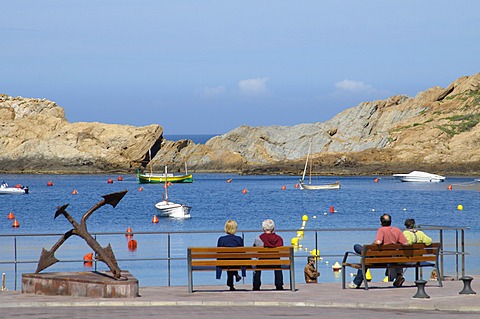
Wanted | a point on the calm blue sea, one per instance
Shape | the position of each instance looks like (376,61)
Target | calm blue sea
(357,205)
(196,138)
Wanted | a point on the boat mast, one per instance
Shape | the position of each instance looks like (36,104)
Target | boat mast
(186,171)
(306,162)
(166,185)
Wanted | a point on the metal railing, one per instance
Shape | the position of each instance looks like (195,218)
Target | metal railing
(170,248)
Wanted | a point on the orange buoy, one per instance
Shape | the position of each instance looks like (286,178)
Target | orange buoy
(332,209)
(129,232)
(140,189)
(284,187)
(449,187)
(11,216)
(88,260)
(15,223)
(110,181)
(119,178)
(229,180)
(49,183)
(297,186)
(169,184)
(74,192)
(155,219)
(132,245)
(375,180)
(244,191)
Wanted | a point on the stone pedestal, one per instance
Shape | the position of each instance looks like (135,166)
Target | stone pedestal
(81,284)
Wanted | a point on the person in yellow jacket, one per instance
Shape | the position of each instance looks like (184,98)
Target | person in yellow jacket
(415,236)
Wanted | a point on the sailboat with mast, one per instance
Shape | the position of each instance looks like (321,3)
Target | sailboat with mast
(167,208)
(309,185)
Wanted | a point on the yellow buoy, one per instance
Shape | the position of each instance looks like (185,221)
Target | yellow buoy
(460,207)
(315,253)
(305,218)
(300,233)
(294,241)
(336,266)
(368,275)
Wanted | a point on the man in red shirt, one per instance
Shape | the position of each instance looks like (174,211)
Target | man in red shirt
(386,234)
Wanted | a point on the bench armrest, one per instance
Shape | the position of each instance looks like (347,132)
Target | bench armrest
(349,253)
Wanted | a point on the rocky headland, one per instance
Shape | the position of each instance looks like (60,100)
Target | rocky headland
(436,131)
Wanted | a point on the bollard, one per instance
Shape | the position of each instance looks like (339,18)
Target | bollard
(4,282)
(421,289)
(467,290)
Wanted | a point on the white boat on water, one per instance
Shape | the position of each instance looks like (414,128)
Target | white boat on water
(418,176)
(18,190)
(309,185)
(167,208)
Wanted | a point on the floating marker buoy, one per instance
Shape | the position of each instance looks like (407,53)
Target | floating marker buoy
(49,183)
(74,192)
(336,266)
(449,187)
(110,181)
(325,213)
(244,191)
(229,180)
(373,209)
(300,233)
(314,216)
(294,241)
(332,209)
(315,253)
(304,218)
(15,223)
(284,187)
(368,275)
(326,263)
(119,178)
(132,245)
(129,232)
(155,219)
(88,260)
(140,189)
(460,207)
(11,216)
(404,209)
(297,186)
(375,180)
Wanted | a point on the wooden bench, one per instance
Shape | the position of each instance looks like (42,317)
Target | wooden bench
(236,258)
(393,256)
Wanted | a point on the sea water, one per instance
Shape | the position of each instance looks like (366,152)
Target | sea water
(341,216)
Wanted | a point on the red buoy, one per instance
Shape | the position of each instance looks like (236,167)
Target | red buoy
(119,178)
(332,209)
(375,180)
(129,232)
(155,219)
(110,181)
(132,245)
(88,260)
(15,223)
(297,186)
(449,187)
(49,183)
(11,216)
(284,187)
(74,192)
(140,189)
(244,191)
(229,180)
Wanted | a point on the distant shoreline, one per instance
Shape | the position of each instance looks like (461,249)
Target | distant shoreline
(196,138)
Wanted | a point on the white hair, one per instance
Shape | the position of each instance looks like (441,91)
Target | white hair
(268,225)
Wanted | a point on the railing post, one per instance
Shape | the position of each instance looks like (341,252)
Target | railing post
(463,253)
(440,271)
(168,258)
(15,258)
(456,254)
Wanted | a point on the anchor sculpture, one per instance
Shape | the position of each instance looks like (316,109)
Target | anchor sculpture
(105,254)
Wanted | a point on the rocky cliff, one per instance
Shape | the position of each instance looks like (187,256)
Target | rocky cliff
(437,130)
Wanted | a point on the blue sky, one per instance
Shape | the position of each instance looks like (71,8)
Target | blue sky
(207,67)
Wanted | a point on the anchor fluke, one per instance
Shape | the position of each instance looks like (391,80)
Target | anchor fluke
(114,198)
(47,258)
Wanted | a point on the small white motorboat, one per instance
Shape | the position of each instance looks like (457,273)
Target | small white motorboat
(18,190)
(418,176)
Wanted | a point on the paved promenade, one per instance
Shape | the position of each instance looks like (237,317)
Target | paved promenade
(215,301)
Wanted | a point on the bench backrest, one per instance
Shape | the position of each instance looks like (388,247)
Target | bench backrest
(379,254)
(240,256)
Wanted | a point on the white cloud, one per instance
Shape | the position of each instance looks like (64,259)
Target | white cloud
(253,87)
(213,91)
(354,87)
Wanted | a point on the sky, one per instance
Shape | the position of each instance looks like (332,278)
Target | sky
(209,66)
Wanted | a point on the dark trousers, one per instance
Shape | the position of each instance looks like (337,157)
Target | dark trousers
(230,276)
(278,279)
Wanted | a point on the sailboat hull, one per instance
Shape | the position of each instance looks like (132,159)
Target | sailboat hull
(335,185)
(169,209)
(160,178)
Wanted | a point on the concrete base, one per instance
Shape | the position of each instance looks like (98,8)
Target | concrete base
(81,284)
